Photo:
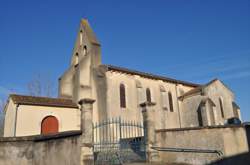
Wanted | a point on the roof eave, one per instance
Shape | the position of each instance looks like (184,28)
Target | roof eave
(149,75)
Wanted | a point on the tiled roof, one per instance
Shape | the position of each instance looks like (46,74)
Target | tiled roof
(43,101)
(197,89)
(149,75)
(191,92)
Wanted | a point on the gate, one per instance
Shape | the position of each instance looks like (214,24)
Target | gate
(118,141)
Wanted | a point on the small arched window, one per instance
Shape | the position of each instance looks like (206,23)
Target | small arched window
(221,108)
(148,95)
(76,59)
(81,38)
(170,100)
(122,96)
(84,50)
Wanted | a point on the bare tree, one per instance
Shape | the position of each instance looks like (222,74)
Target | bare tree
(2,105)
(41,86)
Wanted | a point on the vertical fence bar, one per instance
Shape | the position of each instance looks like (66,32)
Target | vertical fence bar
(120,129)
(134,128)
(109,131)
(126,129)
(112,132)
(116,129)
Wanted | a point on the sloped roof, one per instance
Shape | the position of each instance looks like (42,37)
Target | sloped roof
(235,105)
(191,92)
(200,88)
(148,75)
(42,101)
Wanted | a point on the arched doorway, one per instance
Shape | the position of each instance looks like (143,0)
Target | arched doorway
(49,125)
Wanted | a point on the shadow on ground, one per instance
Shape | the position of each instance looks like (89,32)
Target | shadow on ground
(241,159)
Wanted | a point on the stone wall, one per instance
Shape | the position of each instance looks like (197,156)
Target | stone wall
(136,86)
(230,140)
(63,149)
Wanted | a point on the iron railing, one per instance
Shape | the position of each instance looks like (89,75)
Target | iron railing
(117,141)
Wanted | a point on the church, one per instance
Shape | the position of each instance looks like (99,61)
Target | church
(118,92)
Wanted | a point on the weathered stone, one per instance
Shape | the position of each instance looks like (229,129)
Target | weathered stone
(148,114)
(87,153)
(60,149)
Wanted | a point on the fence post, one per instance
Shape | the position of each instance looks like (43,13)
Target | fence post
(87,153)
(149,131)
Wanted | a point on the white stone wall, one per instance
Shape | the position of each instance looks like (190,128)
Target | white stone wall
(29,119)
(9,120)
(136,95)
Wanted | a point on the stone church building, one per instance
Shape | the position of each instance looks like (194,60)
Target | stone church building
(106,114)
(118,92)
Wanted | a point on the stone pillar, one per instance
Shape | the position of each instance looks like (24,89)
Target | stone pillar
(87,153)
(148,114)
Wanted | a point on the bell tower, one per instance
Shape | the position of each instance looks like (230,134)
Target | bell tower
(77,82)
(86,43)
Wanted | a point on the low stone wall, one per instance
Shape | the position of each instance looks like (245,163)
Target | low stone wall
(62,148)
(229,140)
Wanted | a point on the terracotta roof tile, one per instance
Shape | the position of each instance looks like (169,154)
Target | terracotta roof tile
(43,101)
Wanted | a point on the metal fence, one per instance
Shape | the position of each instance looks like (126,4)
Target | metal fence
(118,141)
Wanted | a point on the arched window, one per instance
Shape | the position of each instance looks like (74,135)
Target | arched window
(76,59)
(81,38)
(200,121)
(170,100)
(221,108)
(122,96)
(84,50)
(148,95)
(49,125)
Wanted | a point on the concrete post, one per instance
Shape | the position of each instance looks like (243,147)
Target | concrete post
(87,153)
(148,114)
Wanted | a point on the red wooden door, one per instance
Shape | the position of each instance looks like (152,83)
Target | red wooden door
(49,125)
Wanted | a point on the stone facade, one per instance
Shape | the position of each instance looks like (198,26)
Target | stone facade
(189,104)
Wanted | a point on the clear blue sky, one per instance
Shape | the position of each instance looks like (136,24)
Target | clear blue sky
(188,40)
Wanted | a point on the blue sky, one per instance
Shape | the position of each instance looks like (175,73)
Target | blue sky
(189,40)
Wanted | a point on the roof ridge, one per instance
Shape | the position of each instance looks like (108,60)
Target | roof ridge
(149,75)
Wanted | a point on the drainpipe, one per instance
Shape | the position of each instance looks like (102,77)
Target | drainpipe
(178,105)
(16,120)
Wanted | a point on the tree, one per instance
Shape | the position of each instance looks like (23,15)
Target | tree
(41,86)
(2,105)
